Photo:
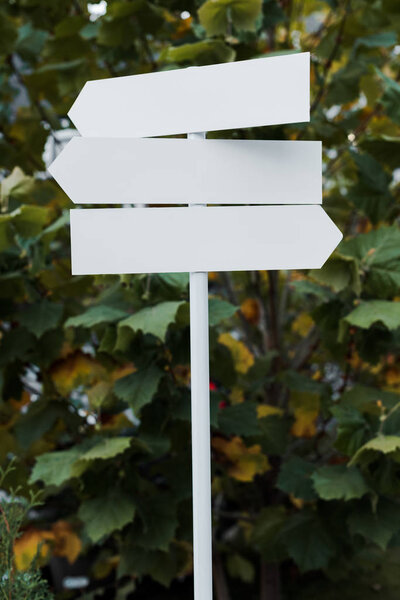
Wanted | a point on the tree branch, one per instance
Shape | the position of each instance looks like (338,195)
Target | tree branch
(220,583)
(331,58)
(270,585)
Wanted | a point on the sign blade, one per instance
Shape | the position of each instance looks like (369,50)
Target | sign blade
(176,171)
(251,93)
(162,240)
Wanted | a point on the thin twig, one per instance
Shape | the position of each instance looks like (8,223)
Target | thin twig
(331,58)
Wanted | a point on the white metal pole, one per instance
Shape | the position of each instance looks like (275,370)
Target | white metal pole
(201,459)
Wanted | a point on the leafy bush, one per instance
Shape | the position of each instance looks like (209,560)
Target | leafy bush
(14,583)
(305,367)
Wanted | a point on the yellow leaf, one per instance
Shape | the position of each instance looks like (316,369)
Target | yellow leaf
(243,463)
(317,376)
(236,396)
(302,324)
(212,276)
(186,549)
(392,377)
(76,369)
(23,401)
(181,374)
(115,422)
(66,542)
(103,567)
(242,357)
(297,502)
(266,410)
(183,28)
(32,543)
(305,408)
(251,310)
(123,371)
(297,276)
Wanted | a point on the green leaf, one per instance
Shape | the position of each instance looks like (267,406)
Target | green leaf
(266,532)
(40,418)
(378,253)
(371,194)
(41,317)
(154,319)
(176,281)
(385,148)
(339,273)
(365,399)
(69,26)
(371,172)
(375,311)
(138,389)
(240,567)
(16,185)
(8,34)
(219,310)
(383,444)
(391,96)
(380,525)
(345,83)
(274,434)
(217,15)
(386,39)
(16,344)
(163,567)
(205,52)
(339,482)
(107,448)
(55,468)
(352,429)
(273,14)
(29,220)
(6,233)
(105,514)
(159,522)
(239,419)
(295,478)
(30,41)
(308,542)
(96,315)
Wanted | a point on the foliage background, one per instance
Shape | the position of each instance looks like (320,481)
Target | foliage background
(305,367)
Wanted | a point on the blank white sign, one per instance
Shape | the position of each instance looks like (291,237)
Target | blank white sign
(176,171)
(250,93)
(238,238)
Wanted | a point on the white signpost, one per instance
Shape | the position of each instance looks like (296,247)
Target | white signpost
(110,165)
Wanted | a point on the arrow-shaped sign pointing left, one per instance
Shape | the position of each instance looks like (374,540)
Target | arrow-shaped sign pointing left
(173,171)
(262,91)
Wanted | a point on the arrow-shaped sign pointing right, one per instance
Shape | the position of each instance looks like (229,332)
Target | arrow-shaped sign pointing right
(238,238)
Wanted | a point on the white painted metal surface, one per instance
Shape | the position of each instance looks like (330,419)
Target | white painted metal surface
(177,171)
(263,91)
(200,400)
(234,238)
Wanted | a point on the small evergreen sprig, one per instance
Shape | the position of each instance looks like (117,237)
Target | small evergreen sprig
(14,584)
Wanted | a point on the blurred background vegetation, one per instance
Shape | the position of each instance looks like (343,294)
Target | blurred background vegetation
(305,367)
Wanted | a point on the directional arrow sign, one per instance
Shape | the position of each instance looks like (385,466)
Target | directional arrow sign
(176,171)
(264,91)
(108,169)
(239,238)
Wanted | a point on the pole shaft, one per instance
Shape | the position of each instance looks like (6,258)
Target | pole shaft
(201,459)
